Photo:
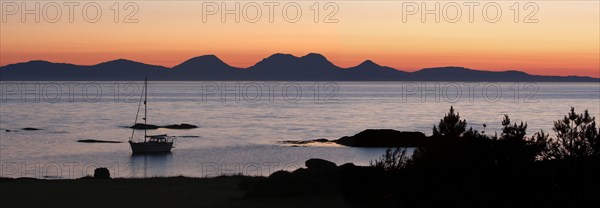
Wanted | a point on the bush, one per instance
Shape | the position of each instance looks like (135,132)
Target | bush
(450,125)
(393,159)
(576,137)
(514,147)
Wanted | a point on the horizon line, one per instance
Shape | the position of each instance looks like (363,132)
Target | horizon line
(298,57)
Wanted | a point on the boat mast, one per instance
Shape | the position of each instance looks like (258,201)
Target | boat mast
(145,106)
(137,113)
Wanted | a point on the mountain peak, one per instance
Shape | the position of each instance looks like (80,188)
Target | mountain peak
(368,63)
(200,61)
(314,56)
(206,58)
(312,64)
(445,68)
(281,56)
(278,58)
(119,62)
(31,63)
(38,61)
(450,67)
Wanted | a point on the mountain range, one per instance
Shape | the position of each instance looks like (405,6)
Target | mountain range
(277,67)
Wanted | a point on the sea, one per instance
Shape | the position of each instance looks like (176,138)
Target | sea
(241,125)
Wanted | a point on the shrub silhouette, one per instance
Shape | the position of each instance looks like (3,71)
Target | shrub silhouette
(514,147)
(513,132)
(450,125)
(542,141)
(576,137)
(463,167)
(451,145)
(392,159)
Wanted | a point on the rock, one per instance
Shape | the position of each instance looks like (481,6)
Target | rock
(322,140)
(30,129)
(320,164)
(383,138)
(320,177)
(101,173)
(181,126)
(173,126)
(280,176)
(347,166)
(96,141)
(144,126)
(300,171)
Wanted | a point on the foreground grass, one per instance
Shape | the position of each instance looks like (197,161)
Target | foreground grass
(150,192)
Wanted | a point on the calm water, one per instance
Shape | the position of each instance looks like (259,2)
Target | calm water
(242,122)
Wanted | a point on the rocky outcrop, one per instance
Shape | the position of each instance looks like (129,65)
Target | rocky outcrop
(30,129)
(180,126)
(319,177)
(320,164)
(96,141)
(383,138)
(172,126)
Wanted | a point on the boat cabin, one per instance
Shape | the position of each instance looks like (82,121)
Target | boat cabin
(163,138)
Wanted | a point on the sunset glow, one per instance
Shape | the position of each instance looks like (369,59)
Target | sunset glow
(564,41)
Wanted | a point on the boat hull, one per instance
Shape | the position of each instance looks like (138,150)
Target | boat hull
(150,147)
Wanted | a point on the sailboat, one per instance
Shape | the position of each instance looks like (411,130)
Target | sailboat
(151,143)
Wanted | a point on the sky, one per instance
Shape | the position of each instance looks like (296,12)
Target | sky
(542,37)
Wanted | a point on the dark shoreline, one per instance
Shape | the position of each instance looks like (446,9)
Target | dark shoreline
(222,191)
(325,184)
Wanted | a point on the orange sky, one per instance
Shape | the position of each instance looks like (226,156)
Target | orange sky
(564,41)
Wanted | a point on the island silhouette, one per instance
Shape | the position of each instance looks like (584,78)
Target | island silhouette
(277,67)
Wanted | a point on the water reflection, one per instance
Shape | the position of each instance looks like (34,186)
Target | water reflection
(150,165)
(247,133)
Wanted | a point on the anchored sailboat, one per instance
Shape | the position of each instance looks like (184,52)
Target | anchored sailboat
(151,143)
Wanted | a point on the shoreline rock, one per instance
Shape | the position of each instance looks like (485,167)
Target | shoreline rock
(372,138)
(383,138)
(319,164)
(172,126)
(96,141)
(319,177)
(322,140)
(180,126)
(30,129)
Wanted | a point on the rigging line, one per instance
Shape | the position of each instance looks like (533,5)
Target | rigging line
(137,114)
(145,107)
